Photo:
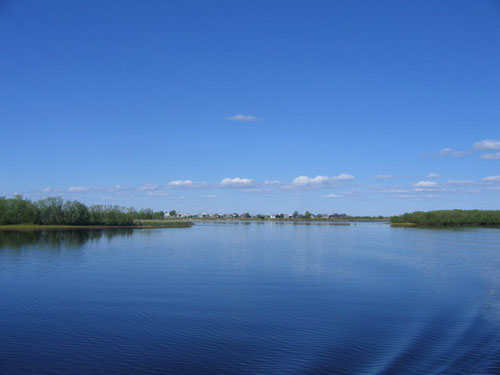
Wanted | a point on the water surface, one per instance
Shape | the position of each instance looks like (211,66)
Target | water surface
(251,298)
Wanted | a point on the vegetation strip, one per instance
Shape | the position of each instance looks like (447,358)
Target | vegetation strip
(443,218)
(54,212)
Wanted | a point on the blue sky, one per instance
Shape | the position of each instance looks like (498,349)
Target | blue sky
(363,107)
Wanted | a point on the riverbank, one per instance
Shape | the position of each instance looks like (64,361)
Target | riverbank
(279,222)
(403,224)
(298,220)
(143,224)
(449,218)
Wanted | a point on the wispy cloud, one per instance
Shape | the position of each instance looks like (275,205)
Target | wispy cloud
(493,156)
(487,144)
(450,152)
(257,190)
(181,183)
(79,189)
(491,179)
(425,184)
(147,187)
(304,181)
(272,182)
(332,196)
(460,182)
(159,193)
(395,190)
(385,176)
(433,175)
(242,118)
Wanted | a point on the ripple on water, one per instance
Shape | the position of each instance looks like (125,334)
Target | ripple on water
(246,299)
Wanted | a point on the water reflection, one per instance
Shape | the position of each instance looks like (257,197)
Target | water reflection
(55,239)
(261,298)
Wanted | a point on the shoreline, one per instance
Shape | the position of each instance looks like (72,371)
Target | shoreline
(183,224)
(294,220)
(444,226)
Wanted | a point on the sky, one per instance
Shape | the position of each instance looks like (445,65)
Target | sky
(357,107)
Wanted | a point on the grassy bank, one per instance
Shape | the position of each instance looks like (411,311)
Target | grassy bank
(163,223)
(403,225)
(443,218)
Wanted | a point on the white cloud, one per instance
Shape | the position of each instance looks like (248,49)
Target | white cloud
(491,179)
(78,189)
(433,175)
(331,196)
(425,184)
(384,176)
(487,144)
(48,190)
(181,183)
(450,152)
(147,187)
(242,118)
(236,181)
(494,156)
(321,180)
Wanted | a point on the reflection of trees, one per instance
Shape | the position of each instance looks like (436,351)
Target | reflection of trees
(16,239)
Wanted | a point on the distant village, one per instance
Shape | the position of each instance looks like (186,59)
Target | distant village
(293,216)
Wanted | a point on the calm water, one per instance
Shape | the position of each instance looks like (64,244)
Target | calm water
(251,299)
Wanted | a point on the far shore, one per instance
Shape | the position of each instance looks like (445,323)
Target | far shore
(290,220)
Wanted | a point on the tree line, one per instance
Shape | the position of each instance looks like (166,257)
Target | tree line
(55,211)
(450,217)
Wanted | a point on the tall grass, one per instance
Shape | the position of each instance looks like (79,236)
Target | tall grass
(450,218)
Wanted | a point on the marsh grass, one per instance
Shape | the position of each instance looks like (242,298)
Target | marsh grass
(443,218)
